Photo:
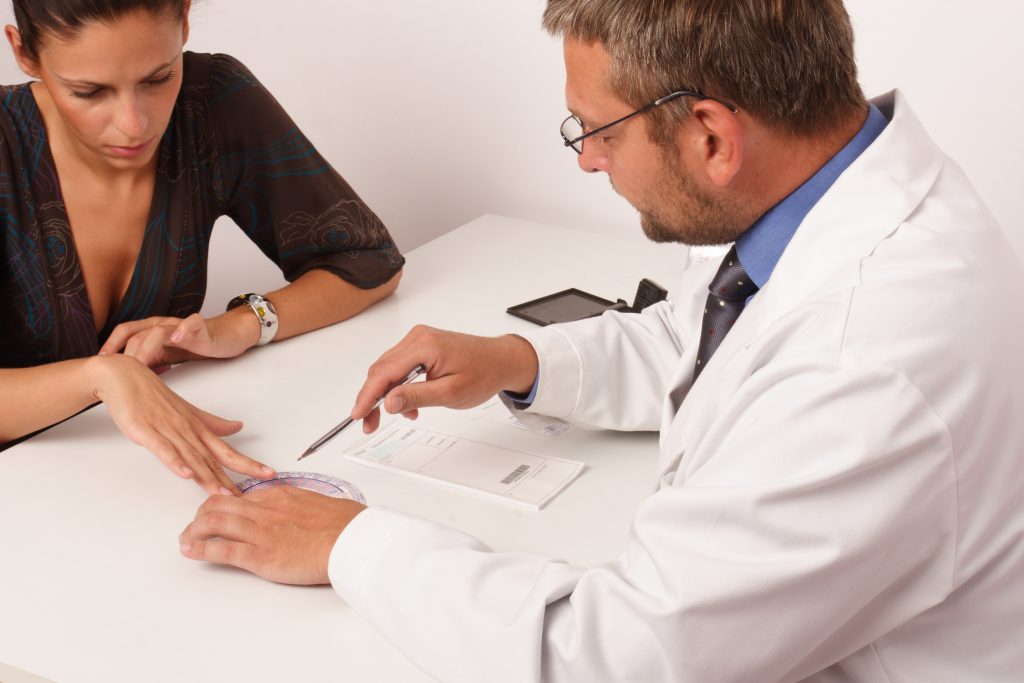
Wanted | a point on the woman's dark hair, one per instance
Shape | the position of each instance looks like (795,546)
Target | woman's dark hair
(65,18)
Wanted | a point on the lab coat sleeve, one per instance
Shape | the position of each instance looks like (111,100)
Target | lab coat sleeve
(610,372)
(795,543)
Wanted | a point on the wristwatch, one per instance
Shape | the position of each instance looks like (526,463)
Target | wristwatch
(265,313)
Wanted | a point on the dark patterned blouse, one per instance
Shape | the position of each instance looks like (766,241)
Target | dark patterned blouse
(230,149)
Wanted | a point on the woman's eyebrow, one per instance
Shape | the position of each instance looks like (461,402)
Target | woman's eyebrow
(75,81)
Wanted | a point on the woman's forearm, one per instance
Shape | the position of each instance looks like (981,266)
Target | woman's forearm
(36,397)
(316,299)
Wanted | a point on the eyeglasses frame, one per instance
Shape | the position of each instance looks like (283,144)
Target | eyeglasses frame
(646,108)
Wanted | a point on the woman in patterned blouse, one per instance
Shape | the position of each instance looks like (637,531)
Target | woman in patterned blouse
(114,164)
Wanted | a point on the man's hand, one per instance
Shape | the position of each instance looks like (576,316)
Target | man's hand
(462,371)
(284,534)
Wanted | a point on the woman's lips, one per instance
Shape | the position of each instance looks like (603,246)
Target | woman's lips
(128,152)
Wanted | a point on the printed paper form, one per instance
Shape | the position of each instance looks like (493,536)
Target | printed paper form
(523,478)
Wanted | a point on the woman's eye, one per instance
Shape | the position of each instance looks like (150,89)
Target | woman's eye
(162,80)
(85,95)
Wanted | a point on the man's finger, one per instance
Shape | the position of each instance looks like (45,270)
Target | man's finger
(371,422)
(382,375)
(221,551)
(225,504)
(433,392)
(220,524)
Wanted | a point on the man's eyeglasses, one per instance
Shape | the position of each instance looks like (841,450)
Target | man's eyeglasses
(574,135)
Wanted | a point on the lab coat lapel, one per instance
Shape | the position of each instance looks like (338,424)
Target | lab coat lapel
(866,204)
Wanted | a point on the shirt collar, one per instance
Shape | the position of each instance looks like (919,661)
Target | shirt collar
(761,246)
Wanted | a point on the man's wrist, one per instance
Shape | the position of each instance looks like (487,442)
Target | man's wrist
(523,365)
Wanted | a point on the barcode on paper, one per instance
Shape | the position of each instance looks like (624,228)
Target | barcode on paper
(515,474)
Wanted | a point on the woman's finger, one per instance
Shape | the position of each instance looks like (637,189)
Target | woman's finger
(165,452)
(120,336)
(125,331)
(227,456)
(151,344)
(220,426)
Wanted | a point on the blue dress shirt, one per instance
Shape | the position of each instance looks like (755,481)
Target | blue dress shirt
(761,246)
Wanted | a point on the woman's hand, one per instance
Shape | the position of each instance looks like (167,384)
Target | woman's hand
(185,439)
(159,341)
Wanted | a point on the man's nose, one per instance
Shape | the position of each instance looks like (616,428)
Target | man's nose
(592,159)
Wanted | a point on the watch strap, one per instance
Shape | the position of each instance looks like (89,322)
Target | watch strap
(265,312)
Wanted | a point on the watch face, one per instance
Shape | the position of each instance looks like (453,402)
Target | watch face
(311,481)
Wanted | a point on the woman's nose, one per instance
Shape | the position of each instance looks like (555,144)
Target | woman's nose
(130,119)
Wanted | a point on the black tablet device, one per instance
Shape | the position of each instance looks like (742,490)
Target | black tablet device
(563,307)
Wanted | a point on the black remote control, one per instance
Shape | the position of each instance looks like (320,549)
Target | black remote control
(647,293)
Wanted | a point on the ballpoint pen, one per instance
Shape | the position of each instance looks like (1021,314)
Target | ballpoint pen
(413,374)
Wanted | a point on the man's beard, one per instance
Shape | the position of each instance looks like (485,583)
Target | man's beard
(680,211)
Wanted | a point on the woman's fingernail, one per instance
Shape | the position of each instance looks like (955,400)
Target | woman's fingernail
(185,547)
(176,337)
(224,492)
(267,471)
(186,472)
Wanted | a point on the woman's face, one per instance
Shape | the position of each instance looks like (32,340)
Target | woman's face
(114,84)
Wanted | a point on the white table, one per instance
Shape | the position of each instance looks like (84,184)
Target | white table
(92,587)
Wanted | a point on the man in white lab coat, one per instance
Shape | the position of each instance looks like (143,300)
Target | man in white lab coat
(840,485)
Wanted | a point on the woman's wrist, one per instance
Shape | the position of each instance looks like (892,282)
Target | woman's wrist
(234,332)
(100,370)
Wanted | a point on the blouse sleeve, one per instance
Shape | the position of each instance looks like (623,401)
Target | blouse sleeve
(284,194)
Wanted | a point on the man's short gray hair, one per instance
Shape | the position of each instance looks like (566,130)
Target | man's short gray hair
(790,63)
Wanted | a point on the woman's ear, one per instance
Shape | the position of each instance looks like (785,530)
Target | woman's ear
(184,21)
(27,64)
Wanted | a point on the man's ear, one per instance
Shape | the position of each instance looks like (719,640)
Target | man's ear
(715,138)
(25,63)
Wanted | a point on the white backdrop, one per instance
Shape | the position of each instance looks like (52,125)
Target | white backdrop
(437,112)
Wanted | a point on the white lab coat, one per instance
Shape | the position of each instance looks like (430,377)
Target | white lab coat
(840,495)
